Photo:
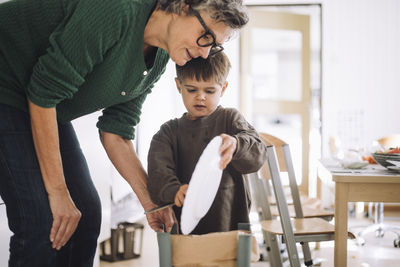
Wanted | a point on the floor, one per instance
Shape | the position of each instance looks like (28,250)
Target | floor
(377,252)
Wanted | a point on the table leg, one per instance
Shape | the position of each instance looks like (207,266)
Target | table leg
(341,207)
(319,188)
(319,197)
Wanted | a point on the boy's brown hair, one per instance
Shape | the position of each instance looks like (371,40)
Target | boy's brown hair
(215,67)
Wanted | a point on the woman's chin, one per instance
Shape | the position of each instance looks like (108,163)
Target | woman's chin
(180,62)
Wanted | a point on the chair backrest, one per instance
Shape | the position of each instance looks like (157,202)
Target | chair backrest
(262,203)
(285,163)
(270,140)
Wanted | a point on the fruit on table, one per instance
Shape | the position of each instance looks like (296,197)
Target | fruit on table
(394,150)
(369,158)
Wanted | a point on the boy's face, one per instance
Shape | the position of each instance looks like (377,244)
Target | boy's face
(201,98)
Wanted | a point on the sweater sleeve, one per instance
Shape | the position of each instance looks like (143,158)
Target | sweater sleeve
(162,182)
(251,153)
(87,32)
(121,119)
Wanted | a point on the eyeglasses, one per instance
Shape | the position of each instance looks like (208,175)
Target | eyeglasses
(207,38)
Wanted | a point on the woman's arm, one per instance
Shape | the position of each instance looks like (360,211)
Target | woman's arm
(123,156)
(45,137)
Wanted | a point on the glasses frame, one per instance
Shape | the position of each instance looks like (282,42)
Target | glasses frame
(215,48)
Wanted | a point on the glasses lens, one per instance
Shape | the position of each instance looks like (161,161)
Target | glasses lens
(206,40)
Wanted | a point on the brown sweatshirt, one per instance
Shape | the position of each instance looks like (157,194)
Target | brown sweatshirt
(175,150)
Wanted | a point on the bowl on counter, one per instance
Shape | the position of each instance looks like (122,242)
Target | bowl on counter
(382,158)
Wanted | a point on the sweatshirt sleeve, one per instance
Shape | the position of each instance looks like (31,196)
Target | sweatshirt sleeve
(251,153)
(163,182)
(87,32)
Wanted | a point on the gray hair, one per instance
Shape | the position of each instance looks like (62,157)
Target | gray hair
(231,12)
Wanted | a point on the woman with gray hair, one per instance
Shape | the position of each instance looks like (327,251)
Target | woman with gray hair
(63,59)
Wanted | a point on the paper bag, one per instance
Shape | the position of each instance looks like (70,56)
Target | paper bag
(209,250)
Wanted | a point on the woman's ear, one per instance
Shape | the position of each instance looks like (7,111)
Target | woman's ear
(178,85)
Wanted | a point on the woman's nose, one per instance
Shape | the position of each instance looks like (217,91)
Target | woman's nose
(204,51)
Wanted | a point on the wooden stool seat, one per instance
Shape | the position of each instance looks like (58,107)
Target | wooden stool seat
(305,226)
(303,199)
(308,212)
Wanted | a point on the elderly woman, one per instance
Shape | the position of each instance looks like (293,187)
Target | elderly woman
(62,59)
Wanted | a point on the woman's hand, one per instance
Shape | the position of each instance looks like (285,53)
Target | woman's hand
(180,195)
(165,217)
(227,149)
(65,218)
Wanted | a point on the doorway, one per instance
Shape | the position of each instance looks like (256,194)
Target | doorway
(281,80)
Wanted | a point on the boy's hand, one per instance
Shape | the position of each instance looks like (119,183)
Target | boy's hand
(227,149)
(180,195)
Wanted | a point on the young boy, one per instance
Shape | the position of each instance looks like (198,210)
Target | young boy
(177,146)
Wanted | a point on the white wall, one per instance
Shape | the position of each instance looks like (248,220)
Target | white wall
(361,69)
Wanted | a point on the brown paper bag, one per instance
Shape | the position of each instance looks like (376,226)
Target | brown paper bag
(210,264)
(209,250)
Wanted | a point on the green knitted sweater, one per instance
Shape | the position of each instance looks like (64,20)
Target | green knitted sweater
(79,56)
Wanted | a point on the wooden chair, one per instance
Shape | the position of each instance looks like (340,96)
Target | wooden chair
(298,229)
(311,206)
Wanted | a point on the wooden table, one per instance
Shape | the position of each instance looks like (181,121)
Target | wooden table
(372,184)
